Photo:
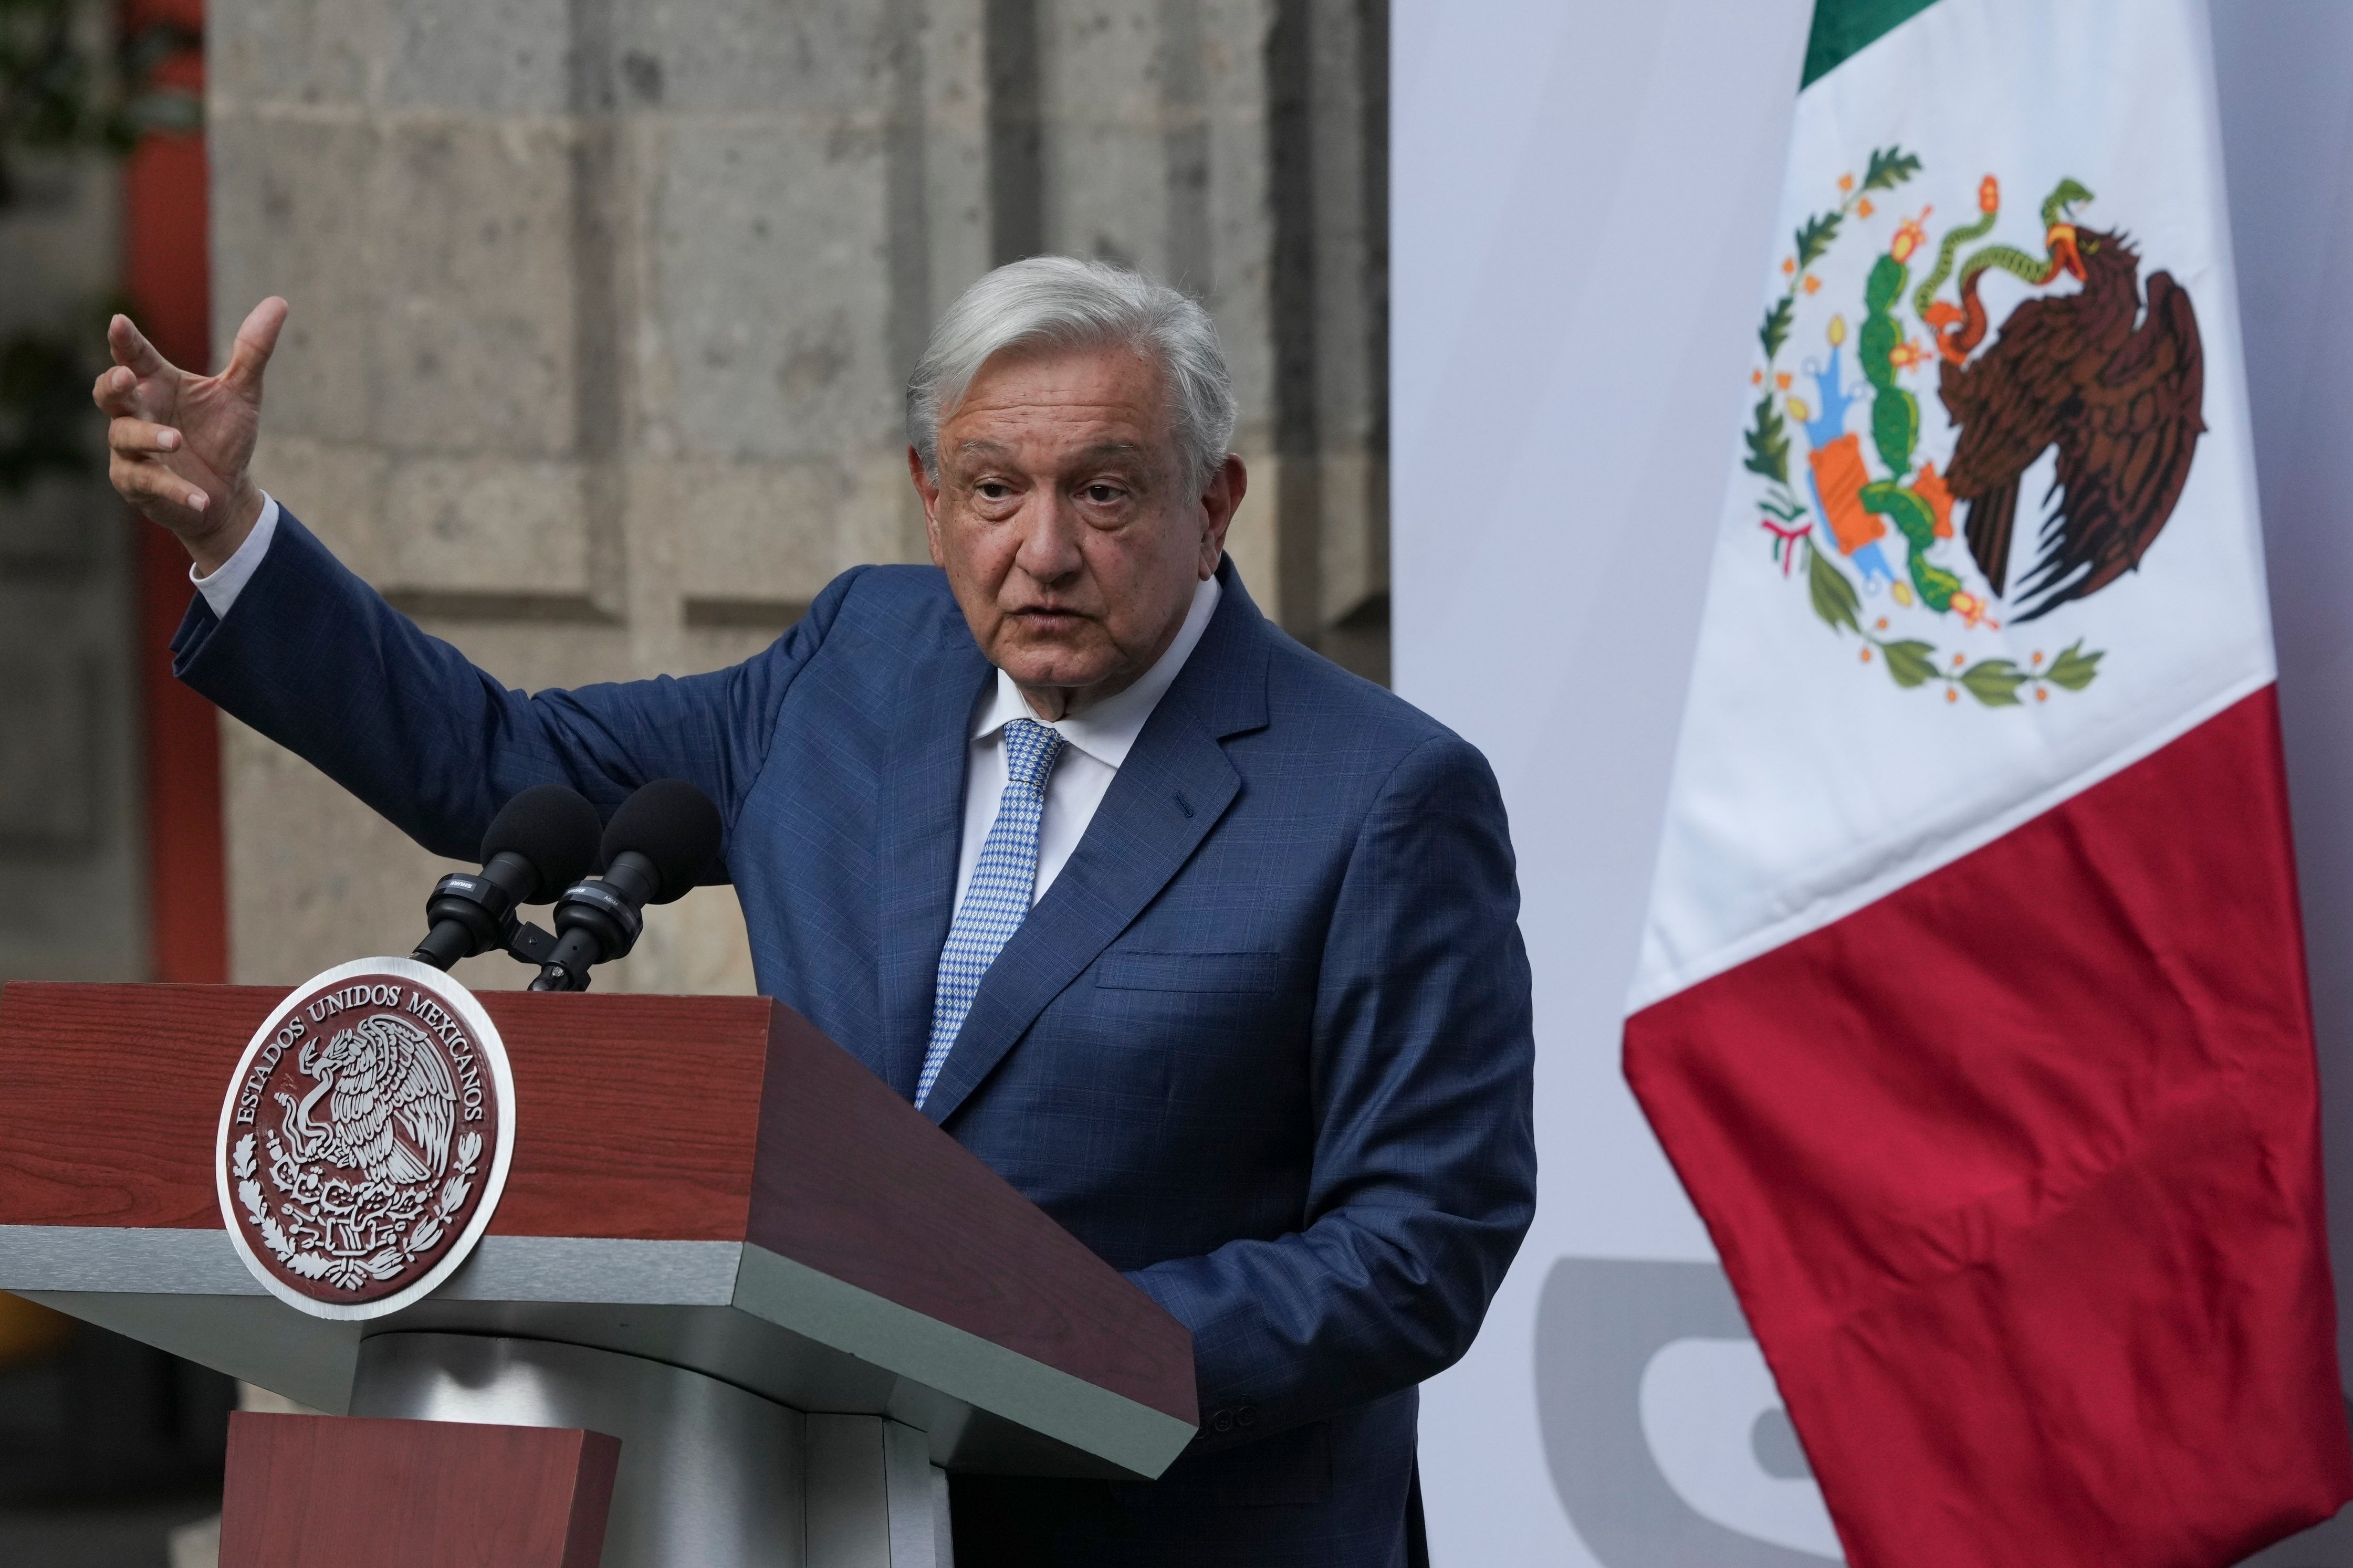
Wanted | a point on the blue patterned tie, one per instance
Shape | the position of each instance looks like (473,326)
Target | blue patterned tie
(998,898)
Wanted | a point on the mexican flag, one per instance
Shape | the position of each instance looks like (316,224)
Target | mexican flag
(1971,1005)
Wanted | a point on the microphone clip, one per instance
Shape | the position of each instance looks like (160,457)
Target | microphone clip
(607,920)
(531,944)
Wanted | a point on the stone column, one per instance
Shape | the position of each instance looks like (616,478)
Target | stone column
(603,308)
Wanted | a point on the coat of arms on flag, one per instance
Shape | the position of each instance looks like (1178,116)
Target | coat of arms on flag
(1977,1028)
(1921,421)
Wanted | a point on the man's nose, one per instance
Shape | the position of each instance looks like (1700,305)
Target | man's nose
(1050,537)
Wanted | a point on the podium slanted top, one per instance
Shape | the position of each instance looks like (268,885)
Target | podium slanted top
(706,1181)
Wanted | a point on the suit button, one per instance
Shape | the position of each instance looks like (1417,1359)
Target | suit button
(1245,1416)
(1223,1421)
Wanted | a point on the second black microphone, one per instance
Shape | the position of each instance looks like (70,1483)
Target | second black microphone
(663,840)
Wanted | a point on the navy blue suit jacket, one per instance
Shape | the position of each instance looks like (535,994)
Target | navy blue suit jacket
(1264,1044)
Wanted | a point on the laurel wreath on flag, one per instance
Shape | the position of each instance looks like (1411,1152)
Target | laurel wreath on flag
(1910,661)
(351,1273)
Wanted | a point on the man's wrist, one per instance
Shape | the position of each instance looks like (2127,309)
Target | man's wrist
(211,550)
(221,586)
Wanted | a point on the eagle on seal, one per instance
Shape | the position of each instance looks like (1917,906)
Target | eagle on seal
(2116,384)
(391,1106)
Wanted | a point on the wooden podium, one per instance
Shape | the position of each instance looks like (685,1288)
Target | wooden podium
(795,1301)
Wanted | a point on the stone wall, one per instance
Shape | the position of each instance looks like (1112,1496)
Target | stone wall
(602,311)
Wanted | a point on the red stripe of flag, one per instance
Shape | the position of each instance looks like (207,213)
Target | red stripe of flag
(2017,1174)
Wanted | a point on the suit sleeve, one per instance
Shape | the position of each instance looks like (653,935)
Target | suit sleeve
(1424,1177)
(314,658)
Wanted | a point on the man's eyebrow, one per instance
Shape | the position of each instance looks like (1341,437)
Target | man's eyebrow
(1102,450)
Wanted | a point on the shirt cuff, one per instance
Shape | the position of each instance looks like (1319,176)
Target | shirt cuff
(220,590)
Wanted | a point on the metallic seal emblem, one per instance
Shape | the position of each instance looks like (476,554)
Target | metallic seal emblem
(365,1139)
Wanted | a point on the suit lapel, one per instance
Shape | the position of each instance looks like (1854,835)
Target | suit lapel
(921,823)
(1174,785)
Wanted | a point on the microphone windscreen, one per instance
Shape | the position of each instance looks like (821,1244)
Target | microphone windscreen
(554,829)
(671,824)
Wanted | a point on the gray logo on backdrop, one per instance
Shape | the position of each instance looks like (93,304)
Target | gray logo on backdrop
(1603,1326)
(1619,1342)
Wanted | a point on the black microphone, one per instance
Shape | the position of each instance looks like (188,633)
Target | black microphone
(659,845)
(541,840)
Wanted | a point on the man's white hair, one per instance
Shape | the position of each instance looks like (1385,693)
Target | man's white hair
(1065,302)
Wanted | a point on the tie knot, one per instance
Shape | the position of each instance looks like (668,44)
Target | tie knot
(1030,752)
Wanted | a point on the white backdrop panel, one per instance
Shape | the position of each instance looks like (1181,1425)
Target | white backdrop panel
(1582,197)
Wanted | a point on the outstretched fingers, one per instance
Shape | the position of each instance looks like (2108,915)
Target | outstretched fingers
(147,484)
(132,352)
(138,453)
(139,437)
(116,394)
(255,341)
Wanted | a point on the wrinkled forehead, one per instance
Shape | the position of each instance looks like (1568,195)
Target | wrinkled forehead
(1053,407)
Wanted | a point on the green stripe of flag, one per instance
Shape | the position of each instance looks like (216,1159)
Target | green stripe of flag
(1842,27)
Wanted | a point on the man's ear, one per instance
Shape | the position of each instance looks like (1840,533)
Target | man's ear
(1220,498)
(928,489)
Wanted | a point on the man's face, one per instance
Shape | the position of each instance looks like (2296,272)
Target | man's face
(1063,516)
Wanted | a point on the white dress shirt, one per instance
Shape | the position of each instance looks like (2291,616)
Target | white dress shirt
(1095,741)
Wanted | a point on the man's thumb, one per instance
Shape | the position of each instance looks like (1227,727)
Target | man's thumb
(255,342)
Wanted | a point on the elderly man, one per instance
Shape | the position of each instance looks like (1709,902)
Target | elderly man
(1209,947)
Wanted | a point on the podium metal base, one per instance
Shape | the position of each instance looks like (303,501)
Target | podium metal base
(711,1476)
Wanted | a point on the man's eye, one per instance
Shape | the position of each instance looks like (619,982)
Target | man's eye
(992,490)
(1103,495)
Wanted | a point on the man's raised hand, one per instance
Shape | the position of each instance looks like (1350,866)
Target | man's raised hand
(178,443)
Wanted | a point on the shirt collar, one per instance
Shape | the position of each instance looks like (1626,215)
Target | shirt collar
(1108,730)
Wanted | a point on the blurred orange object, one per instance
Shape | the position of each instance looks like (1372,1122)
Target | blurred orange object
(30,1331)
(1838,478)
